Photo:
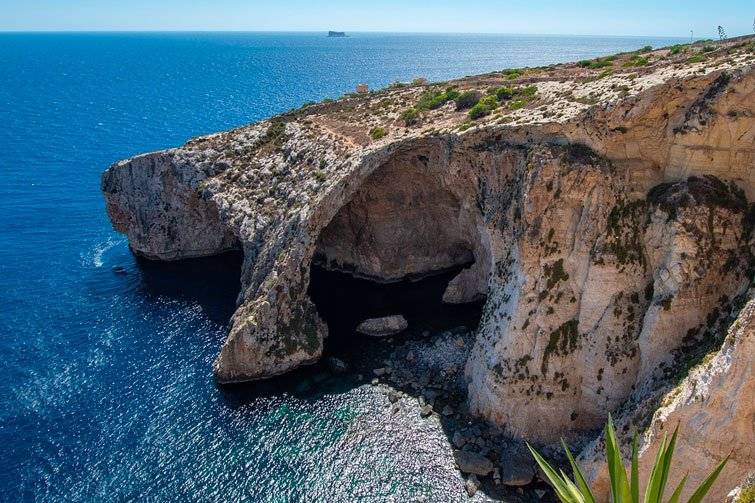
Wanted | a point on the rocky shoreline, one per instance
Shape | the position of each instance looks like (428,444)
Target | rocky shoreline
(420,377)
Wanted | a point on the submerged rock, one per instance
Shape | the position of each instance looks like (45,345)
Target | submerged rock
(337,366)
(383,327)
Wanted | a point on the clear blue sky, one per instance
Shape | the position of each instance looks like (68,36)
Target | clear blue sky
(590,17)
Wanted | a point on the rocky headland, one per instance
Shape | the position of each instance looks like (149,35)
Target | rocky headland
(603,211)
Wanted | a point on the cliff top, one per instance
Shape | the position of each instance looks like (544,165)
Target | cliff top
(518,96)
(270,169)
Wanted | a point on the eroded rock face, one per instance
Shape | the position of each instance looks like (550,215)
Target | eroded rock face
(610,241)
(153,200)
(602,294)
(713,408)
(406,219)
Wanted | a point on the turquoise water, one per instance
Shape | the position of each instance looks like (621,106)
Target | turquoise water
(106,388)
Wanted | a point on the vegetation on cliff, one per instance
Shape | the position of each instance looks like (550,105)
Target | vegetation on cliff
(624,489)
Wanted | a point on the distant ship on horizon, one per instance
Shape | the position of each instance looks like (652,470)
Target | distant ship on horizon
(336,34)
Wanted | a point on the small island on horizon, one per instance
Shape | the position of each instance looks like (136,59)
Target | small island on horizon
(337,34)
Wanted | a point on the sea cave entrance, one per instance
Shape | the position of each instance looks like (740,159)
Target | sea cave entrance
(410,242)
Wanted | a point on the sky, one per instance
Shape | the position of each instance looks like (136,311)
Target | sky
(589,17)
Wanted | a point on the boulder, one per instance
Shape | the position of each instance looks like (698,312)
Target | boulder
(468,286)
(517,474)
(472,485)
(383,327)
(471,462)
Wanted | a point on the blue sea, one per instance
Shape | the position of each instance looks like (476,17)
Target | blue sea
(106,392)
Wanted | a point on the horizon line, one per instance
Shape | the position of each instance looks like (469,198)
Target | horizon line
(115,31)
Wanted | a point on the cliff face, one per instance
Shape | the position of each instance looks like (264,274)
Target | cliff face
(607,218)
(712,405)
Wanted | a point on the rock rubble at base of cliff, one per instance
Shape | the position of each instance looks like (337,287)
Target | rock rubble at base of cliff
(607,219)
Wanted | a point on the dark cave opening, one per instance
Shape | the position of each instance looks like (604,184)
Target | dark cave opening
(343,301)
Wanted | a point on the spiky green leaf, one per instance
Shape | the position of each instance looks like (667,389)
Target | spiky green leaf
(618,475)
(654,482)
(579,477)
(678,491)
(701,491)
(553,477)
(635,477)
(669,454)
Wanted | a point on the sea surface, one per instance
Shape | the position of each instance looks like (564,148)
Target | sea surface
(106,390)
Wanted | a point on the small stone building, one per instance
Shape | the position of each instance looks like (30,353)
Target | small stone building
(363,88)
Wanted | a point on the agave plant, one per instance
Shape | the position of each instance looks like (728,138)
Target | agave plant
(623,489)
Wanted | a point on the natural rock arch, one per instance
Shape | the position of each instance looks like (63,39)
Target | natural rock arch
(409,218)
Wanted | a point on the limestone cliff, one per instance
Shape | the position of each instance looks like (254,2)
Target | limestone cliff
(712,405)
(606,217)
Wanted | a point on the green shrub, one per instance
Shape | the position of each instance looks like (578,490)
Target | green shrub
(595,64)
(600,63)
(747,495)
(605,73)
(276,134)
(636,61)
(430,100)
(377,132)
(490,102)
(484,107)
(465,125)
(697,58)
(623,489)
(467,99)
(504,93)
(478,111)
(528,91)
(525,92)
(513,73)
(647,48)
(517,104)
(410,116)
(678,49)
(708,48)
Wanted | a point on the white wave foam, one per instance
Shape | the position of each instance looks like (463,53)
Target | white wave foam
(95,256)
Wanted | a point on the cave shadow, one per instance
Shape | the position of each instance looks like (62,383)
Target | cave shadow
(212,282)
(343,301)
